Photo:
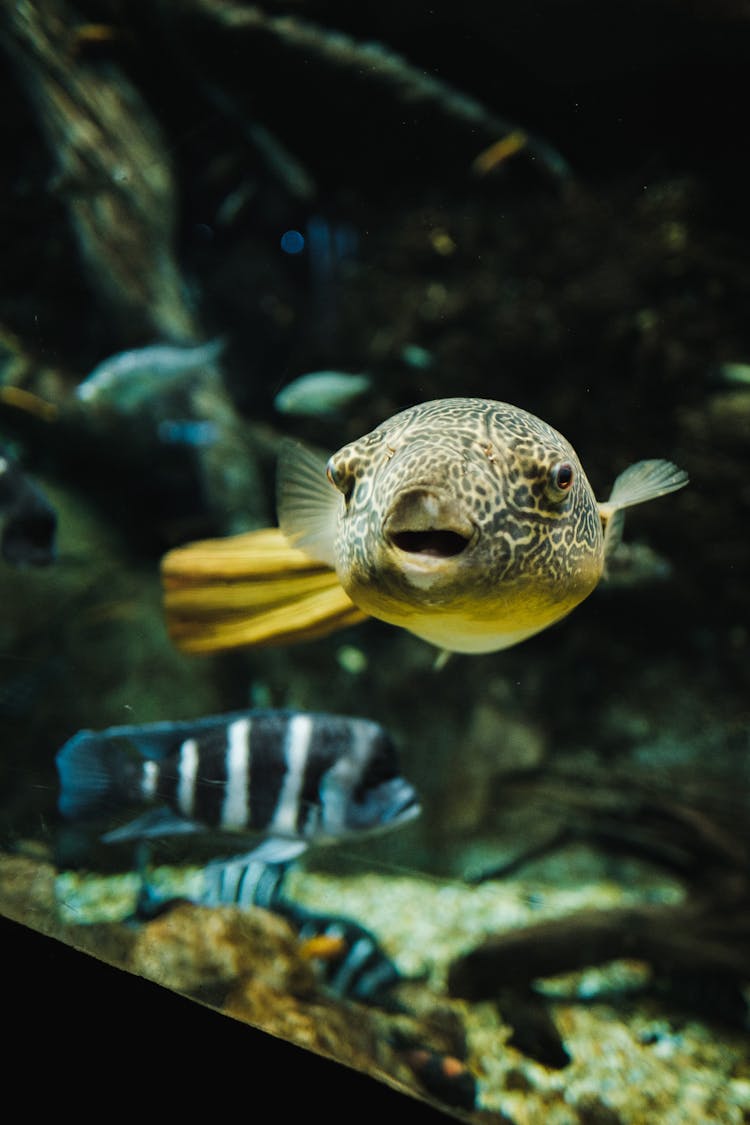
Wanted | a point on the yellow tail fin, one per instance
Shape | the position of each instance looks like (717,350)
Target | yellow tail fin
(250,589)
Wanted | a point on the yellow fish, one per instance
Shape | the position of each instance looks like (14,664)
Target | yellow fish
(467,521)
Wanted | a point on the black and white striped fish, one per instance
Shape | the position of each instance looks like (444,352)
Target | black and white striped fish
(297,778)
(352,964)
(246,881)
(359,968)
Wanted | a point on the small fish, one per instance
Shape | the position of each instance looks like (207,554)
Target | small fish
(29,523)
(413,355)
(195,432)
(351,960)
(735,374)
(320,393)
(127,380)
(297,778)
(444,1076)
(244,882)
(468,522)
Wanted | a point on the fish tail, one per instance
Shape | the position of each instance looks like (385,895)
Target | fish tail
(92,774)
(250,589)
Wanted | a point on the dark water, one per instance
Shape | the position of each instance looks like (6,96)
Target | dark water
(175,174)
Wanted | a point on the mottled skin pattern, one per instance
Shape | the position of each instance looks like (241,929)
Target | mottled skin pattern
(506,482)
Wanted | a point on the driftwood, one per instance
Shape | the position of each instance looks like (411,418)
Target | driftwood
(706,937)
(386,71)
(114,174)
(675,938)
(112,169)
(692,834)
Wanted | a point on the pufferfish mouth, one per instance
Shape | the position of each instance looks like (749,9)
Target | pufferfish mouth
(423,523)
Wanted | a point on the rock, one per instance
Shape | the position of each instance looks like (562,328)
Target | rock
(197,950)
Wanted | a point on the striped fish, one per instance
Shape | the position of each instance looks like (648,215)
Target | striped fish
(297,778)
(352,962)
(360,969)
(243,882)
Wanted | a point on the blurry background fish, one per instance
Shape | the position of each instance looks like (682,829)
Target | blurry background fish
(320,393)
(188,431)
(352,962)
(128,379)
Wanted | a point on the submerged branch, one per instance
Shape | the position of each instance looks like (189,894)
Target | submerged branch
(381,65)
(675,938)
(112,169)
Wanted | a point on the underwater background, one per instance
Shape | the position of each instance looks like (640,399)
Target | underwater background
(328,188)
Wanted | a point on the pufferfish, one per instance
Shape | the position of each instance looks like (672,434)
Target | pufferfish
(468,522)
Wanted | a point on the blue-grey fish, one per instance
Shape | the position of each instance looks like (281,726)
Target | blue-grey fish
(351,960)
(735,374)
(128,379)
(469,522)
(297,778)
(321,392)
(29,522)
(243,881)
(199,433)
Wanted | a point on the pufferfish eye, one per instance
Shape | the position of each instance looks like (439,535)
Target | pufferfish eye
(343,481)
(560,481)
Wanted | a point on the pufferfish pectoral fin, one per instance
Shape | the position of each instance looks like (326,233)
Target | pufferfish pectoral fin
(645,480)
(250,589)
(308,504)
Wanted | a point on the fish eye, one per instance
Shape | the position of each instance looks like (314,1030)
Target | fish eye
(561,479)
(344,482)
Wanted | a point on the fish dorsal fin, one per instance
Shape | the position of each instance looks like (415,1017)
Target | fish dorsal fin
(645,480)
(308,504)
